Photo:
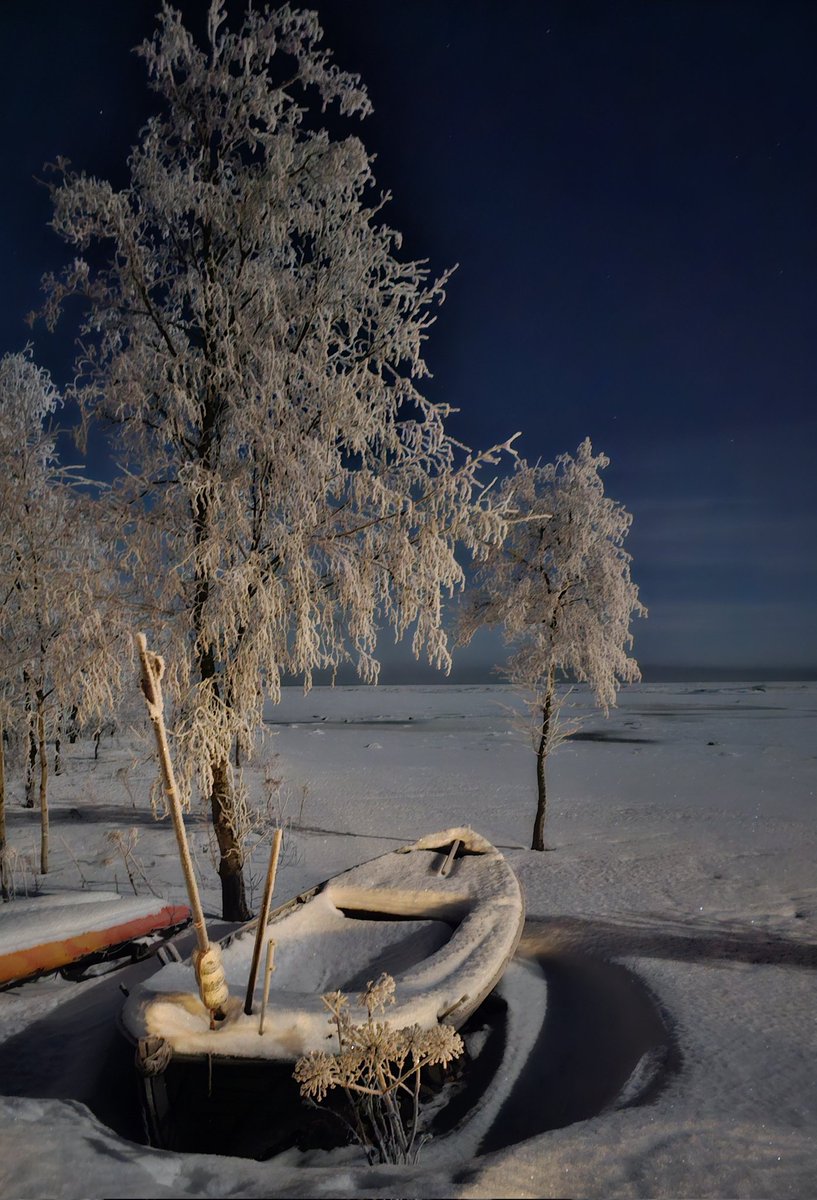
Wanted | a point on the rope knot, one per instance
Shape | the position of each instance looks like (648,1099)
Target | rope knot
(210,975)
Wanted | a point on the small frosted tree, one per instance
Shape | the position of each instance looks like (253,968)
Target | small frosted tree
(255,344)
(58,642)
(27,401)
(560,588)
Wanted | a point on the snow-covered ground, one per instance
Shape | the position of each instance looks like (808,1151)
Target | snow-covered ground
(662,1003)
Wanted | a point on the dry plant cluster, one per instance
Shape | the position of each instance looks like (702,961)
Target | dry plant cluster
(377,1068)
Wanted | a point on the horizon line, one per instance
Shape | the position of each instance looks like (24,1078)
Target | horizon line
(424,676)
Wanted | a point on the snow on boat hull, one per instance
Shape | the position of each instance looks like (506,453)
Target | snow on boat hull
(48,932)
(445,937)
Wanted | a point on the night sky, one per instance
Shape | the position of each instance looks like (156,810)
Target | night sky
(630,191)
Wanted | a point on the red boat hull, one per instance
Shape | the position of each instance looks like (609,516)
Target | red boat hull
(49,956)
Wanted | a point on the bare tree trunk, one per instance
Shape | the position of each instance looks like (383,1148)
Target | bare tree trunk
(4,886)
(43,785)
(538,842)
(58,747)
(72,725)
(31,762)
(222,800)
(32,743)
(234,905)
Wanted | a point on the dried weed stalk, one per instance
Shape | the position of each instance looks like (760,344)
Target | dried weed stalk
(124,844)
(378,1068)
(22,877)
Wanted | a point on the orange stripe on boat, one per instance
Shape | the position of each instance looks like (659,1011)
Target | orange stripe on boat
(49,956)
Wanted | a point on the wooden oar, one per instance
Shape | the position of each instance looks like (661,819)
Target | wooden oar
(207,958)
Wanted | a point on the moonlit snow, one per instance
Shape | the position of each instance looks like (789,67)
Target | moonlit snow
(662,1027)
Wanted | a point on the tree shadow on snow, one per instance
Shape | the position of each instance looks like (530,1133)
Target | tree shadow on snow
(109,815)
(601,735)
(681,941)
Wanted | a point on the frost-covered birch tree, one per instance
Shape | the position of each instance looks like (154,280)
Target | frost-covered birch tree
(27,400)
(561,590)
(58,643)
(255,344)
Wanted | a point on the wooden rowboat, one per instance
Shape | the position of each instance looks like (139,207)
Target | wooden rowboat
(443,916)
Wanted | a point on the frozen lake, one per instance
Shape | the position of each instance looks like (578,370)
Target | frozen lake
(671,941)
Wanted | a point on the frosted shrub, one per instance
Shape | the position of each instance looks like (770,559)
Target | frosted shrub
(378,1068)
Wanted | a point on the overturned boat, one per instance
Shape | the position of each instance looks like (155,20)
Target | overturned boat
(443,916)
(53,932)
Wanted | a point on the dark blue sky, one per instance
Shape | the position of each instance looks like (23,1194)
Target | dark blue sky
(630,190)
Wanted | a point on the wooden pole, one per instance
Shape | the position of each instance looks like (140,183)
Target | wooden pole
(207,958)
(268,969)
(445,869)
(263,917)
